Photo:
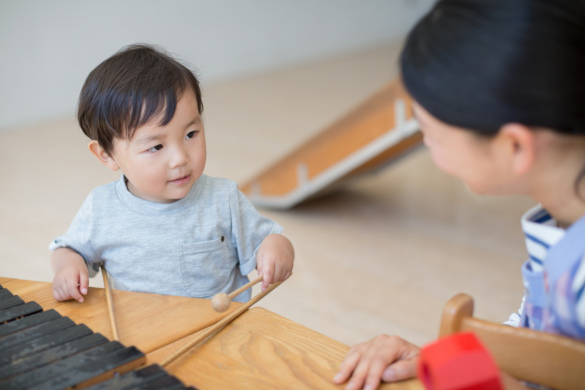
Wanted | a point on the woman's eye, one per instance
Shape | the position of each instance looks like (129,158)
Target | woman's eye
(155,148)
(191,134)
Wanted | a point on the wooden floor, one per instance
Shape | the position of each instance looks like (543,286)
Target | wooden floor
(381,255)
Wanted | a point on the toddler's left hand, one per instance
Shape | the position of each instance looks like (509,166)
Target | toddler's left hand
(275,259)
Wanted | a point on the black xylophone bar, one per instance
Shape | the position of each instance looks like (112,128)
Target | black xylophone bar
(153,377)
(45,350)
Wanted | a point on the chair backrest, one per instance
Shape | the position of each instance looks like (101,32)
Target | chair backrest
(547,359)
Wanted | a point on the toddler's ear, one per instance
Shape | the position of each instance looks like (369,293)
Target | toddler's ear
(102,155)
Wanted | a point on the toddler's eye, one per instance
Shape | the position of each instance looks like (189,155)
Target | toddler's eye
(191,134)
(155,148)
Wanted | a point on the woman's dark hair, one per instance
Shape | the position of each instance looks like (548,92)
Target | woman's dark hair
(479,64)
(129,89)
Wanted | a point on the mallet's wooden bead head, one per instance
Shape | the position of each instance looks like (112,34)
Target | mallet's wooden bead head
(220,302)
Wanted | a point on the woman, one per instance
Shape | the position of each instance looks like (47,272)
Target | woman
(500,97)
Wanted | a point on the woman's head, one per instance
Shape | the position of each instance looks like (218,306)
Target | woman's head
(507,73)
(480,64)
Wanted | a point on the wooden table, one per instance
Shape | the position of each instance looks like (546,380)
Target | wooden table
(258,350)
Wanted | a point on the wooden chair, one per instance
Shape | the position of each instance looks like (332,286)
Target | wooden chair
(550,360)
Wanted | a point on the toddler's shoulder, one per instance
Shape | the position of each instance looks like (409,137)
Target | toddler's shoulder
(219,190)
(103,194)
(219,184)
(104,190)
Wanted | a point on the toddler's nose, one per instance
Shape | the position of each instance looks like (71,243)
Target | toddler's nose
(179,158)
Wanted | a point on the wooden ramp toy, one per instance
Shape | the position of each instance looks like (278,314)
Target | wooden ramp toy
(374,134)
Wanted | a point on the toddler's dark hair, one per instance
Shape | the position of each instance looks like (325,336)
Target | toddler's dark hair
(129,89)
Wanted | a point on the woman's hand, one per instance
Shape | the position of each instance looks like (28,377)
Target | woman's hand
(384,358)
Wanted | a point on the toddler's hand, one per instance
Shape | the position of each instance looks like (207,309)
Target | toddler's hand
(71,276)
(70,283)
(275,259)
(387,358)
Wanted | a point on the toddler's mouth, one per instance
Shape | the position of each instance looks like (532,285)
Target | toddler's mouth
(181,180)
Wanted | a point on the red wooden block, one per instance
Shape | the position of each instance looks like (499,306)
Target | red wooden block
(458,362)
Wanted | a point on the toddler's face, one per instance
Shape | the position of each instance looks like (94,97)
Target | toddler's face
(162,163)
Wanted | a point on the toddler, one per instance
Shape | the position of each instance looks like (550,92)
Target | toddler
(164,227)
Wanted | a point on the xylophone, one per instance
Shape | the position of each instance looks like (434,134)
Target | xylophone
(45,350)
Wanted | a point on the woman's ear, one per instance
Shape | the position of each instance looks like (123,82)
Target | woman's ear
(102,155)
(520,144)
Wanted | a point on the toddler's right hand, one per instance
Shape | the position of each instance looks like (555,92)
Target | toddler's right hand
(71,276)
(71,283)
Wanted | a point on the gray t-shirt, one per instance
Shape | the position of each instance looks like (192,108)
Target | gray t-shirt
(198,246)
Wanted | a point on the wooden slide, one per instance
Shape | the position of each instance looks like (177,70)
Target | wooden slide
(374,134)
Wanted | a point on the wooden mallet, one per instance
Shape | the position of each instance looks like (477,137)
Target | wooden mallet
(222,301)
(110,303)
(210,331)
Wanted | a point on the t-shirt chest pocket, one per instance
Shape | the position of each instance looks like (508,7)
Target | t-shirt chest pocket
(206,266)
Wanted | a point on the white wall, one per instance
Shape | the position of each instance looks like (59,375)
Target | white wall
(47,48)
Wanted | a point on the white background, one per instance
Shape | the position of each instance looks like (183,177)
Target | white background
(47,48)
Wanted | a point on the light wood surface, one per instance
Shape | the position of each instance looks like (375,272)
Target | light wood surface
(258,350)
(551,360)
(262,350)
(210,331)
